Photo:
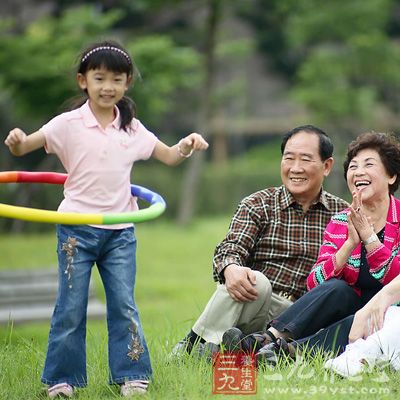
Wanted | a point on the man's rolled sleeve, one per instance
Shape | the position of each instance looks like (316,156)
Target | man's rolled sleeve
(239,241)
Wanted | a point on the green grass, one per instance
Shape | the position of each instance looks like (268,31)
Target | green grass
(173,284)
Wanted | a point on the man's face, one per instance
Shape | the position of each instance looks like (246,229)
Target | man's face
(302,170)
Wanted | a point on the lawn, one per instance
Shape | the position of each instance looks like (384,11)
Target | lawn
(173,284)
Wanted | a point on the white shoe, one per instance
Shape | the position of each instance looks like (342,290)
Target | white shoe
(395,362)
(60,390)
(344,367)
(357,357)
(132,388)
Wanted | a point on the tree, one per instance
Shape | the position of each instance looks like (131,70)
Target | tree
(192,177)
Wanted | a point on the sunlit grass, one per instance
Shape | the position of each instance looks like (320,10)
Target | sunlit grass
(173,284)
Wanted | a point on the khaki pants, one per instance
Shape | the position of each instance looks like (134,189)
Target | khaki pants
(222,312)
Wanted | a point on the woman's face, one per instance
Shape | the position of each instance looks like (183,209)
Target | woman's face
(367,174)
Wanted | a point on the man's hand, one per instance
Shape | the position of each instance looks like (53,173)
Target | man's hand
(239,282)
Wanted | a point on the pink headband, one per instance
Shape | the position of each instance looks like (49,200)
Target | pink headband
(96,49)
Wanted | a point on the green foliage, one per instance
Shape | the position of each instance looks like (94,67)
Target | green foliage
(165,68)
(341,56)
(313,22)
(269,20)
(326,87)
(38,65)
(350,64)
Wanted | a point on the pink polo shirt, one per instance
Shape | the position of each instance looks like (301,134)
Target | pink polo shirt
(98,161)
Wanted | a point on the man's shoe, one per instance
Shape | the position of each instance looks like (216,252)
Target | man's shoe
(272,352)
(182,348)
(232,339)
(205,350)
(200,350)
(235,340)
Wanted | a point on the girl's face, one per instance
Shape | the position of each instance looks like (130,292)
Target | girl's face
(104,88)
(367,174)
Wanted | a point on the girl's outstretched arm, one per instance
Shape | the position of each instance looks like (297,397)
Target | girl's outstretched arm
(174,155)
(20,143)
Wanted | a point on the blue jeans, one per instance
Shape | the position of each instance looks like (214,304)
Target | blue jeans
(114,251)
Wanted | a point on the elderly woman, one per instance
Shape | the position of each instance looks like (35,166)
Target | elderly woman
(359,254)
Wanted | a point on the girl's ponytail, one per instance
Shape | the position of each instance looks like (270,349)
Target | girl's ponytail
(127,109)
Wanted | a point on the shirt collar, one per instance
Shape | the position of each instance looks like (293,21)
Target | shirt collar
(323,199)
(287,198)
(90,120)
(392,215)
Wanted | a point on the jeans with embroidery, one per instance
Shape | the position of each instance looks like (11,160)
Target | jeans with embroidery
(113,251)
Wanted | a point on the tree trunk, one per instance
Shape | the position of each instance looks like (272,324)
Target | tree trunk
(195,165)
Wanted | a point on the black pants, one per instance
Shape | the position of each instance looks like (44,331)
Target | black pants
(322,306)
(333,338)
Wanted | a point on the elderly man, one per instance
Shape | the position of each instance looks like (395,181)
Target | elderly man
(272,243)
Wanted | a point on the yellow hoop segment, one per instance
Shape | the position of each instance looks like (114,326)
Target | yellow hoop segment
(156,208)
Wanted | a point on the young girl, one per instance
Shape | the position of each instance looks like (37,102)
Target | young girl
(382,348)
(374,335)
(97,144)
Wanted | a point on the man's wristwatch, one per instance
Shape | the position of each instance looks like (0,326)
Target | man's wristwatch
(373,238)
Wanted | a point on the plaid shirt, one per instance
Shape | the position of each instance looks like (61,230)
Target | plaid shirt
(270,233)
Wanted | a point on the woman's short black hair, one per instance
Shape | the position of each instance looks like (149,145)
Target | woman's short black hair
(386,145)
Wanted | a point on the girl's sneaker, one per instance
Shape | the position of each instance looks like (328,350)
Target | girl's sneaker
(61,390)
(359,356)
(132,388)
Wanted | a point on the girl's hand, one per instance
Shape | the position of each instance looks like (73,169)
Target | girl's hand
(194,141)
(15,137)
(360,329)
(369,319)
(19,143)
(177,153)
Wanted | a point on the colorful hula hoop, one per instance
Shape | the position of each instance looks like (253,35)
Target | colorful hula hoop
(156,208)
